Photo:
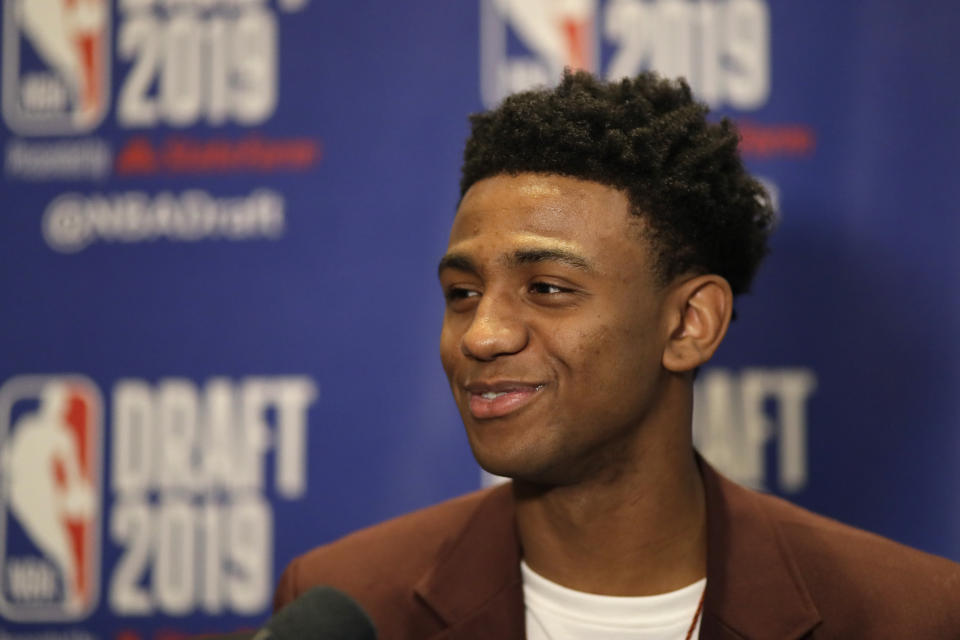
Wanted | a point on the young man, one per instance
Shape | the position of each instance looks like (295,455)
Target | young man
(602,234)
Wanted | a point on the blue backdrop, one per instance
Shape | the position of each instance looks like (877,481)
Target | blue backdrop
(219,227)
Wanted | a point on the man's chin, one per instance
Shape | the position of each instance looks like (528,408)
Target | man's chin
(518,452)
(499,463)
(522,469)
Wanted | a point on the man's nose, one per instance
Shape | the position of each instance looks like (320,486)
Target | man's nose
(496,330)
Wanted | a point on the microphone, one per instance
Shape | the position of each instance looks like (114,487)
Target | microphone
(322,613)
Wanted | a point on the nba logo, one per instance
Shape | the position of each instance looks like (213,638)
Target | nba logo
(50,489)
(55,65)
(526,43)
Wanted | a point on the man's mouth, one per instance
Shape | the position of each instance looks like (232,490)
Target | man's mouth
(495,400)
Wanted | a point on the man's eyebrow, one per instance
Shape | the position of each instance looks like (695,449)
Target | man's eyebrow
(567,257)
(462,262)
(457,261)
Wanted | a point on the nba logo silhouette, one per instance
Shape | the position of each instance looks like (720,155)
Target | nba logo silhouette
(55,65)
(50,488)
(526,43)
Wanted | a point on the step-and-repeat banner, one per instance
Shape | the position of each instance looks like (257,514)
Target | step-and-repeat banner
(219,316)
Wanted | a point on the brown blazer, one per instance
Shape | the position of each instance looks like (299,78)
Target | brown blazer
(774,571)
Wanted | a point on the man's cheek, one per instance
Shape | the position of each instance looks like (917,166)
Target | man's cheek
(589,345)
(448,350)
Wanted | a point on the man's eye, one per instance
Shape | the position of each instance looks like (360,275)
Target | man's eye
(459,293)
(546,288)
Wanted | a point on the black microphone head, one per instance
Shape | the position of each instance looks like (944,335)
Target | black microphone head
(322,613)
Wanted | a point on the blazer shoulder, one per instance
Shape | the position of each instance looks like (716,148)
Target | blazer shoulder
(389,555)
(866,580)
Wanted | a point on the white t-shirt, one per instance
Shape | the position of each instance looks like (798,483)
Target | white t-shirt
(554,612)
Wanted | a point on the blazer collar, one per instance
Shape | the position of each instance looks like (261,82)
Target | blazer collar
(475,587)
(754,589)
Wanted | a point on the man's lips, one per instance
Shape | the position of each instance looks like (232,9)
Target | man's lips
(497,399)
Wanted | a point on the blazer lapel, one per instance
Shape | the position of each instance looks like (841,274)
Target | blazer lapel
(754,589)
(475,587)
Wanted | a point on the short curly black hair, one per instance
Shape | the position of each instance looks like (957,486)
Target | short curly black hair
(650,138)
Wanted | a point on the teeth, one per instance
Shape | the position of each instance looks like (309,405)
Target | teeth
(490,395)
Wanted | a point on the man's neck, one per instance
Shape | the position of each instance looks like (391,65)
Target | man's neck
(639,531)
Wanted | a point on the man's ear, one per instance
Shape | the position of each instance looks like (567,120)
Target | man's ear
(698,313)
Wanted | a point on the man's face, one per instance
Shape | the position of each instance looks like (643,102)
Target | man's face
(554,325)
